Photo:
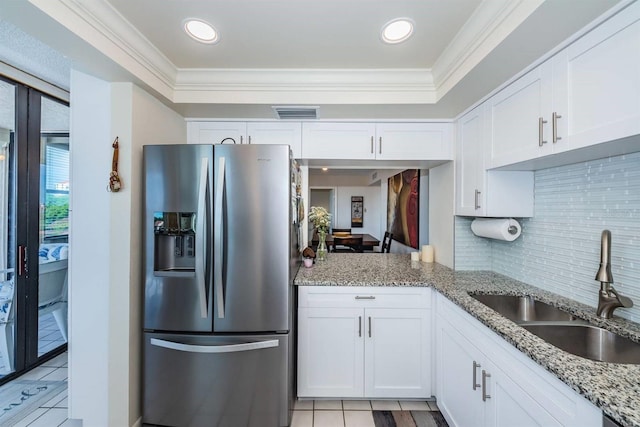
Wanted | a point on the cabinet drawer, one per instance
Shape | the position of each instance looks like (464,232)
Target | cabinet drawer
(360,296)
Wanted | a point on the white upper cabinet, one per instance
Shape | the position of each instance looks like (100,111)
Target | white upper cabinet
(409,141)
(324,140)
(597,84)
(518,128)
(276,133)
(480,192)
(202,132)
(377,141)
(587,94)
(216,132)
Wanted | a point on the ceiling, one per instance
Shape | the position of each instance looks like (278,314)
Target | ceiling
(306,52)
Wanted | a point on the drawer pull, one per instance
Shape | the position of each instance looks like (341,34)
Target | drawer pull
(541,123)
(365,297)
(359,326)
(485,375)
(369,326)
(475,380)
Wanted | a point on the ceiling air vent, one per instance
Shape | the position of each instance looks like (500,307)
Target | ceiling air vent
(296,112)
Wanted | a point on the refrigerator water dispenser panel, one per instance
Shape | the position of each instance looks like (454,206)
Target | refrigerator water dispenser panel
(175,242)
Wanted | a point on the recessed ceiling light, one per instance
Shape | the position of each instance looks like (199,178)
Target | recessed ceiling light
(201,31)
(397,30)
(325,169)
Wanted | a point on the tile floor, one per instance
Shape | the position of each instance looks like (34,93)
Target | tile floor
(349,413)
(54,412)
(49,337)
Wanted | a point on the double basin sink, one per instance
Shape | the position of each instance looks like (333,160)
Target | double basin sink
(563,330)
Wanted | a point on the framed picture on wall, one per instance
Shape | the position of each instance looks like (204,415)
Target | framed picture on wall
(403,202)
(357,211)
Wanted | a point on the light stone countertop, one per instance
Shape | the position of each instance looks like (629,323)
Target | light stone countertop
(615,388)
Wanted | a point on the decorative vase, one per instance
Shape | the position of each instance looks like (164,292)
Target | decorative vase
(321,253)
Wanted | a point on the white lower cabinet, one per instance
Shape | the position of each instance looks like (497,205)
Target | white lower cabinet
(484,381)
(361,342)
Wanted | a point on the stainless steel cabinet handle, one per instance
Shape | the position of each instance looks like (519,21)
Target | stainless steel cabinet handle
(365,297)
(475,380)
(249,139)
(232,348)
(541,123)
(359,326)
(380,145)
(485,375)
(477,202)
(369,326)
(201,230)
(218,236)
(241,139)
(372,145)
(554,126)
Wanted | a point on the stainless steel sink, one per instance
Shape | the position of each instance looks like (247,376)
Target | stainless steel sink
(588,341)
(563,330)
(523,308)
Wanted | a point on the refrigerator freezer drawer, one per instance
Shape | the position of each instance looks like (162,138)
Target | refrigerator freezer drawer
(226,381)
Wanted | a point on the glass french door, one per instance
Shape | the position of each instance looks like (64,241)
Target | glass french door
(34,227)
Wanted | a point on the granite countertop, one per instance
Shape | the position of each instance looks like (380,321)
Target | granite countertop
(615,388)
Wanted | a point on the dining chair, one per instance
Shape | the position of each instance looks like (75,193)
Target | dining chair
(385,247)
(351,244)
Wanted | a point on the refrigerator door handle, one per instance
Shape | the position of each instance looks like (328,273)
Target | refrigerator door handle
(201,227)
(233,348)
(218,255)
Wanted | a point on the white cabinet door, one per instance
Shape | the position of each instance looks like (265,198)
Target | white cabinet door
(397,355)
(510,388)
(470,163)
(414,141)
(216,132)
(330,352)
(459,366)
(516,118)
(338,141)
(277,133)
(487,193)
(508,405)
(597,84)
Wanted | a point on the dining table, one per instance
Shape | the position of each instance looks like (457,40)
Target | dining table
(368,241)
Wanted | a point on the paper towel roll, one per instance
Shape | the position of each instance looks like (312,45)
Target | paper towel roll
(507,229)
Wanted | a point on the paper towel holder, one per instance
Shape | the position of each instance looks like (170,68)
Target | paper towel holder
(512,230)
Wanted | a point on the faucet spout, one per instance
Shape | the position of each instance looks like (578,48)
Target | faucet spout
(608,298)
(604,272)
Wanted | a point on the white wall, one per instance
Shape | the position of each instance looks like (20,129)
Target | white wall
(441,219)
(372,211)
(105,327)
(89,246)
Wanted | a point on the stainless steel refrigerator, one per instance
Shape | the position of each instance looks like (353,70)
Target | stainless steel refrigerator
(220,258)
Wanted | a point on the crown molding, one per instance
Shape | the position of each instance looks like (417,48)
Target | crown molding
(393,86)
(488,26)
(100,25)
(104,28)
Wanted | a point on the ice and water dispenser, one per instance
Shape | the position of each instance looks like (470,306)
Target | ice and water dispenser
(175,242)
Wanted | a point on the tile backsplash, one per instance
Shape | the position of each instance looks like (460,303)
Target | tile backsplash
(559,249)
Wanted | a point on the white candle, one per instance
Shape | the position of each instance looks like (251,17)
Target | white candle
(427,253)
(415,256)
